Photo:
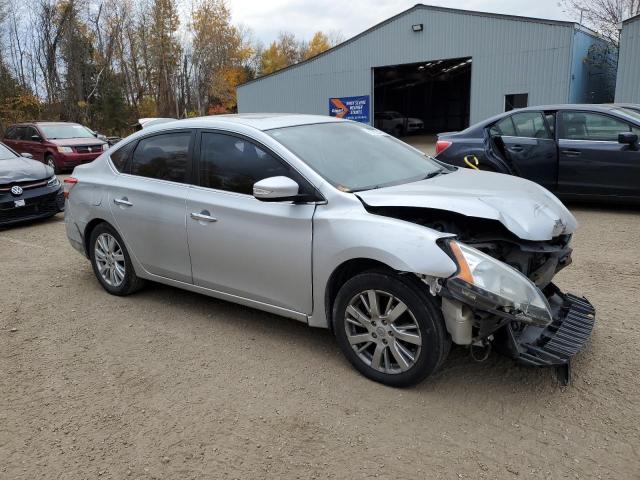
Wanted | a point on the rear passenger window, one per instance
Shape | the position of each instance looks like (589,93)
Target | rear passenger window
(120,157)
(504,127)
(165,157)
(11,133)
(530,125)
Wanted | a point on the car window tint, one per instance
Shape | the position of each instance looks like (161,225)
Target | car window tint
(504,127)
(530,125)
(164,157)
(20,133)
(591,126)
(30,133)
(234,164)
(11,133)
(120,157)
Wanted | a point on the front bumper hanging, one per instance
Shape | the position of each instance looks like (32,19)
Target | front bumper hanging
(555,344)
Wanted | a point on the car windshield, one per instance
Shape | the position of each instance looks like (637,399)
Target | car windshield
(6,154)
(628,111)
(57,132)
(355,157)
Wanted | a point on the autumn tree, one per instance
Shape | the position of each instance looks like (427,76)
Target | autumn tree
(220,53)
(318,44)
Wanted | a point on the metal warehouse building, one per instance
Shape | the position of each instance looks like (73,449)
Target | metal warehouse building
(445,66)
(628,81)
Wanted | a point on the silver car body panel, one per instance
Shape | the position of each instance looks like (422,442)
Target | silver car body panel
(279,257)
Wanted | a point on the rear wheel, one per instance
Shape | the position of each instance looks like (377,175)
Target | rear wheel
(49,160)
(389,328)
(111,262)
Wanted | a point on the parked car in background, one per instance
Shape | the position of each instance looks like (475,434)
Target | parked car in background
(29,190)
(338,225)
(60,145)
(397,124)
(575,151)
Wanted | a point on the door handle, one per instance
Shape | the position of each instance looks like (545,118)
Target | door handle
(571,153)
(516,148)
(203,216)
(124,201)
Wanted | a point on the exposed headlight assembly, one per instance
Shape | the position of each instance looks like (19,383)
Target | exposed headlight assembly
(53,182)
(105,147)
(486,282)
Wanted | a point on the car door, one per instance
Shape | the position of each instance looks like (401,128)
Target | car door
(240,245)
(148,201)
(529,147)
(34,144)
(592,162)
(14,138)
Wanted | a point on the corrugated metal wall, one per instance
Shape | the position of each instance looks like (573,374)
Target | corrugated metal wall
(510,55)
(628,82)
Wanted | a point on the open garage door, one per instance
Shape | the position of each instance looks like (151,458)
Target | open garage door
(422,98)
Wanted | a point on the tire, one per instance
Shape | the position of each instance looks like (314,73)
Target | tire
(401,351)
(49,160)
(111,262)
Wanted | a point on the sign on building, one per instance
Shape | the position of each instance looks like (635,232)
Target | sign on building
(350,108)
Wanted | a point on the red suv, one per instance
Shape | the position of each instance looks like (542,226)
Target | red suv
(60,145)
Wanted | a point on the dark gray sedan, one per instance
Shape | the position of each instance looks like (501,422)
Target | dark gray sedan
(29,190)
(576,151)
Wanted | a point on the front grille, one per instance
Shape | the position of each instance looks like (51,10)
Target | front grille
(25,185)
(35,207)
(88,149)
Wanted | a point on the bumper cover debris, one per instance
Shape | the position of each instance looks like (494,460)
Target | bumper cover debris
(556,344)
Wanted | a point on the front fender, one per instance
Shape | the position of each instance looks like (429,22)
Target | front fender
(340,236)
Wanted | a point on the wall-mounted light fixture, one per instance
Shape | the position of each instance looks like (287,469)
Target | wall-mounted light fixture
(418,27)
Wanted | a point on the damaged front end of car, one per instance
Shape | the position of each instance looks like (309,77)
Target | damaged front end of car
(502,294)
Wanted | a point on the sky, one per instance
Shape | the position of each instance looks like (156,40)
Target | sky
(267,18)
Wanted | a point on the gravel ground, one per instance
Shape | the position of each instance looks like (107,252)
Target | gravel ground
(170,384)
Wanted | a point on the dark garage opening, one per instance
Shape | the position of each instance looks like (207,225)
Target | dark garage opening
(437,93)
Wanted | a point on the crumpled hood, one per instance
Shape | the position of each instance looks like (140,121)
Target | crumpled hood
(525,208)
(22,169)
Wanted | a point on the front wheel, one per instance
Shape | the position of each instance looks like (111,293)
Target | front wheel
(389,328)
(49,160)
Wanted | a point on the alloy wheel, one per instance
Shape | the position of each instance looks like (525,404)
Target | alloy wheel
(383,331)
(109,259)
(51,163)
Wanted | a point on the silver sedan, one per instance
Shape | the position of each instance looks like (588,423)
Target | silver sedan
(338,225)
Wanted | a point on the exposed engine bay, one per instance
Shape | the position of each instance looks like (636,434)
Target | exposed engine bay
(538,260)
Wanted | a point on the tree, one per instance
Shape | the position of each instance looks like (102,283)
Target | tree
(164,54)
(604,16)
(220,55)
(318,44)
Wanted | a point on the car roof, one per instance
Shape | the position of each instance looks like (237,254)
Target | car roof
(259,121)
(26,124)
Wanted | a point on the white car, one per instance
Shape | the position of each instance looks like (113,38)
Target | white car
(340,226)
(397,124)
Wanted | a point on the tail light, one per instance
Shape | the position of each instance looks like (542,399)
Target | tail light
(442,145)
(69,183)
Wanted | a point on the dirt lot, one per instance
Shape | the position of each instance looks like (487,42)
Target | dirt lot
(170,384)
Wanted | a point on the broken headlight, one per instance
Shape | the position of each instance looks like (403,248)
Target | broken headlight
(486,282)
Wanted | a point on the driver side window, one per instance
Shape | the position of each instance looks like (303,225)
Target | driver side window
(234,164)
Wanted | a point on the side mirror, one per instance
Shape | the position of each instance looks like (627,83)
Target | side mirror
(628,138)
(36,138)
(275,189)
(26,155)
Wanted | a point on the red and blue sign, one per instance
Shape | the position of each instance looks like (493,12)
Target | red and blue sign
(350,108)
